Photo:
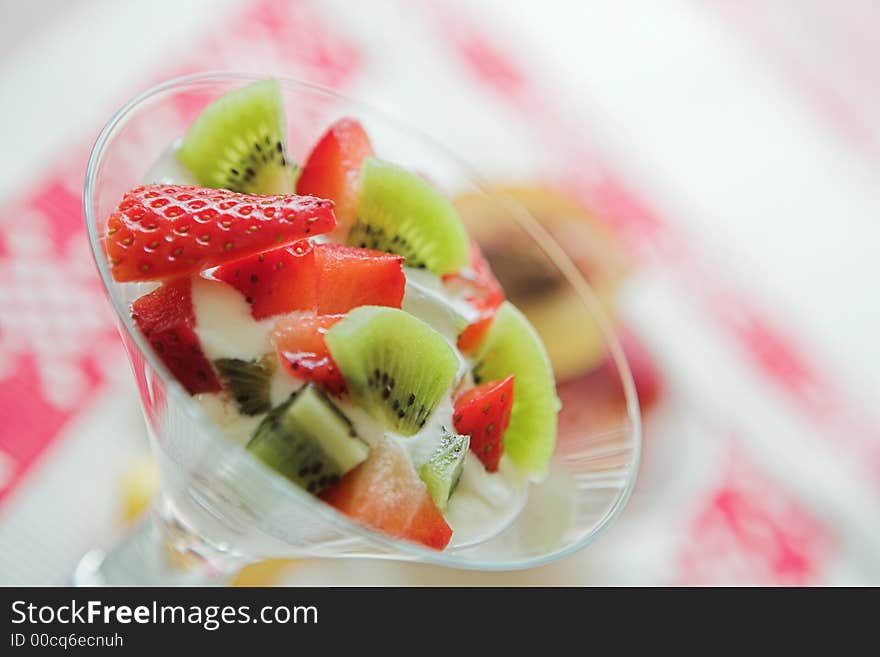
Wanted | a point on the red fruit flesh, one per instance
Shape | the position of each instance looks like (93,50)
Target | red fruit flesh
(327,279)
(483,291)
(488,292)
(299,341)
(274,282)
(160,232)
(483,413)
(166,318)
(481,288)
(333,168)
(472,335)
(349,277)
(385,493)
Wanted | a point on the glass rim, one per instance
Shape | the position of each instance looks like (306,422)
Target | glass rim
(396,548)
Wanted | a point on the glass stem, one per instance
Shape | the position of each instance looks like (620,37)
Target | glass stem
(157,552)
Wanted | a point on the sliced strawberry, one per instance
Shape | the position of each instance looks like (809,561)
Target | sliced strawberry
(164,231)
(482,290)
(327,279)
(299,341)
(274,282)
(488,292)
(333,167)
(166,318)
(385,493)
(477,282)
(349,277)
(483,413)
(472,335)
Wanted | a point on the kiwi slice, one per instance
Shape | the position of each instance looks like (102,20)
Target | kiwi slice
(443,470)
(249,382)
(396,366)
(511,346)
(399,212)
(238,142)
(308,440)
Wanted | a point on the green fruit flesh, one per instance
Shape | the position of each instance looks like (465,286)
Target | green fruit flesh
(400,213)
(308,440)
(248,382)
(395,366)
(442,472)
(511,346)
(238,142)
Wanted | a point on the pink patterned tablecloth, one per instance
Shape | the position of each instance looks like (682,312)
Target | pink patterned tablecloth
(762,466)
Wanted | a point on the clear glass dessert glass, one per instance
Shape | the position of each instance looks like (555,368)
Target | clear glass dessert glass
(219,508)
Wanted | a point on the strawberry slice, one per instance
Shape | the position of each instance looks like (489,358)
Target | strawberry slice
(166,318)
(349,277)
(299,341)
(385,493)
(482,290)
(477,282)
(472,335)
(274,282)
(333,168)
(164,231)
(483,413)
(328,279)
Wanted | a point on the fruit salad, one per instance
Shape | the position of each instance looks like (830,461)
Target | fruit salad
(334,317)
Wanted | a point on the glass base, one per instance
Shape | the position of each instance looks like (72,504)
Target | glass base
(148,557)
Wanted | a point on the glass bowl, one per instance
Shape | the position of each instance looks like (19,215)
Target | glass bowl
(219,508)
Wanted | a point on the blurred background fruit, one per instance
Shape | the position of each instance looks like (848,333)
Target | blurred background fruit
(531,280)
(534,284)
